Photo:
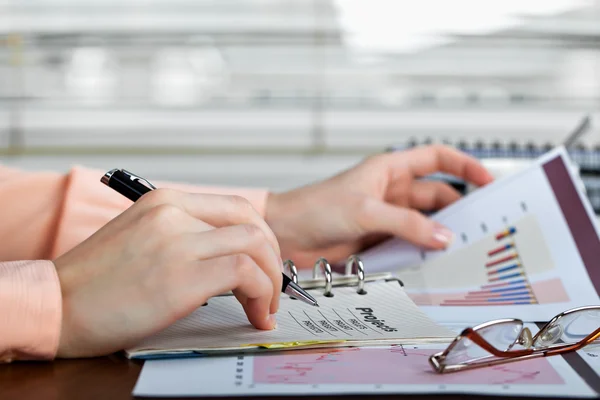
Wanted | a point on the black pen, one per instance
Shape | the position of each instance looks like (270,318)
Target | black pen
(133,187)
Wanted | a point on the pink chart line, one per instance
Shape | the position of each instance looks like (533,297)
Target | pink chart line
(499,295)
(488,302)
(500,249)
(501,260)
(500,284)
(503,269)
(505,233)
(504,277)
(499,291)
(397,365)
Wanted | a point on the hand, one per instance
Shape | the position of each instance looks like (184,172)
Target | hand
(380,197)
(157,262)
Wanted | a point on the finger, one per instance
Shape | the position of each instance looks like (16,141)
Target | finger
(426,160)
(408,224)
(215,210)
(432,195)
(241,275)
(253,309)
(239,239)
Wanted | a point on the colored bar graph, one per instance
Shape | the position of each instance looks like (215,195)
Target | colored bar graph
(498,278)
(503,284)
(497,295)
(501,260)
(502,302)
(500,249)
(507,281)
(505,233)
(503,269)
(483,295)
(523,298)
(518,287)
(494,294)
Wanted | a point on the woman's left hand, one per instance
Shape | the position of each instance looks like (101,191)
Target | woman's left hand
(380,197)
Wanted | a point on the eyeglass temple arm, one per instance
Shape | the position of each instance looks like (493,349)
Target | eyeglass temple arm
(576,346)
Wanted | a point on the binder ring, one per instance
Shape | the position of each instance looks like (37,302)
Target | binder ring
(360,272)
(289,265)
(323,264)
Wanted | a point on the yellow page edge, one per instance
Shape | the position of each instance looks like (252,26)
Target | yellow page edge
(285,345)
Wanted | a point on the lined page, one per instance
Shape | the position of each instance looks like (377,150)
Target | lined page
(385,312)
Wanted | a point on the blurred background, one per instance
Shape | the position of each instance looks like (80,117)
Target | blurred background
(279,93)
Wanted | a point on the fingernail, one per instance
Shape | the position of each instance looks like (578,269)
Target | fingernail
(273,321)
(443,235)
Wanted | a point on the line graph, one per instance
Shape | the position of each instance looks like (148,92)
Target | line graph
(395,369)
(389,365)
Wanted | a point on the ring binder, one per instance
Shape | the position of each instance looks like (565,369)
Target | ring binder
(323,264)
(222,326)
(360,272)
(354,274)
(289,264)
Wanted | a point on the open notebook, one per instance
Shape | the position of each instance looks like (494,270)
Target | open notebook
(376,312)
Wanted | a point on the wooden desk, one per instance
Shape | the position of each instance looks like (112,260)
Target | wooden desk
(113,378)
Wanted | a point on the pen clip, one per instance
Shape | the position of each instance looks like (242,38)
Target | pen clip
(139,179)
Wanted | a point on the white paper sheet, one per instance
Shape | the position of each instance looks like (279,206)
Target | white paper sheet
(515,254)
(385,312)
(374,370)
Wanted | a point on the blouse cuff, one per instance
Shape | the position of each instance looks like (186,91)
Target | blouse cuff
(30,310)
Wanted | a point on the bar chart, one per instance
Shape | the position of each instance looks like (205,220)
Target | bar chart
(512,266)
(508,281)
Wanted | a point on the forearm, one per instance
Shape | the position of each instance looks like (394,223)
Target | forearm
(30,310)
(89,205)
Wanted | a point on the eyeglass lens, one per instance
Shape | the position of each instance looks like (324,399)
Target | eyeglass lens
(502,336)
(570,328)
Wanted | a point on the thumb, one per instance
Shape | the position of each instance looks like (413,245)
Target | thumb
(405,223)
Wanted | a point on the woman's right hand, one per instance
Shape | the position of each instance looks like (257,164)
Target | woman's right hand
(157,262)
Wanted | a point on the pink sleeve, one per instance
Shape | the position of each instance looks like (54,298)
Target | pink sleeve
(44,215)
(30,204)
(89,204)
(30,310)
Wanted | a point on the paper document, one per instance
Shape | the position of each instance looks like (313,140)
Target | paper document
(591,355)
(526,247)
(384,313)
(369,370)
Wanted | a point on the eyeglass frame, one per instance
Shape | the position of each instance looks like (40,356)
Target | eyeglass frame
(506,356)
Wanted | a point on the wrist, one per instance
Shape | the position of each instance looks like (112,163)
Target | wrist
(273,212)
(271,207)
(277,213)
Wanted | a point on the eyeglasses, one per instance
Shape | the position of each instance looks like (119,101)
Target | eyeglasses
(507,340)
